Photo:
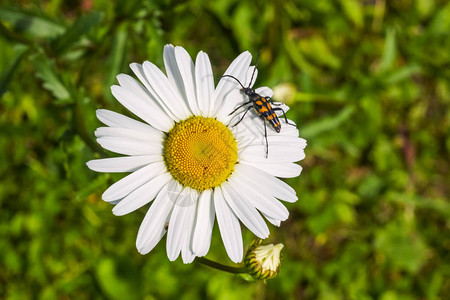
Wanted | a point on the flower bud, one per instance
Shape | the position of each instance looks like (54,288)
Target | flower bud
(285,92)
(263,261)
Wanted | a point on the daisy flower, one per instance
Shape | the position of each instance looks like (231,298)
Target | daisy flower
(186,157)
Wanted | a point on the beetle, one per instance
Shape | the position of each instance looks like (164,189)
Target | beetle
(262,106)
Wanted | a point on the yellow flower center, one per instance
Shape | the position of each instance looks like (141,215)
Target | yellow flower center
(200,152)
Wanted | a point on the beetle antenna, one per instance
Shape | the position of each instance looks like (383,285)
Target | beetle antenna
(234,79)
(254,70)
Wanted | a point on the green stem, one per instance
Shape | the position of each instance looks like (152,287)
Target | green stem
(218,266)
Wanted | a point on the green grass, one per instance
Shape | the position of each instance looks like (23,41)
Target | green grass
(369,86)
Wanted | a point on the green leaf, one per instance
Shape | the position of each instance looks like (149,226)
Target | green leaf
(31,22)
(45,70)
(441,21)
(402,74)
(425,7)
(439,205)
(112,283)
(389,51)
(242,25)
(401,246)
(354,11)
(74,33)
(319,222)
(8,74)
(317,49)
(298,58)
(345,213)
(115,59)
(328,123)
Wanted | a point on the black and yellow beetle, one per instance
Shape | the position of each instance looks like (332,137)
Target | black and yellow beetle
(262,106)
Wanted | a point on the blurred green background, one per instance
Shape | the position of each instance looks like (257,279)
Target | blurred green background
(368,83)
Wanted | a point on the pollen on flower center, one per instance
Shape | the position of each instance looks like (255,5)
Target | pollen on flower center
(200,152)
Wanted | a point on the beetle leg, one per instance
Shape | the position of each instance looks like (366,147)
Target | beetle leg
(284,115)
(265,135)
(273,102)
(239,107)
(250,107)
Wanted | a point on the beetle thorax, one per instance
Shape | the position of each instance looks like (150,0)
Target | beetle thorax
(248,91)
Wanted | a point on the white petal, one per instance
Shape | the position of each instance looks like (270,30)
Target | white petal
(113,119)
(143,135)
(250,132)
(280,113)
(230,229)
(141,108)
(251,76)
(264,91)
(173,71)
(277,153)
(257,138)
(128,146)
(284,170)
(267,183)
(158,117)
(187,72)
(247,213)
(253,121)
(275,222)
(204,224)
(264,202)
(233,100)
(177,231)
(292,141)
(288,129)
(204,81)
(282,148)
(142,195)
(122,164)
(238,69)
(152,228)
(138,69)
(162,87)
(186,251)
(131,182)
(174,191)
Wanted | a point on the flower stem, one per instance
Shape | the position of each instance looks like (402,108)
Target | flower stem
(218,266)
